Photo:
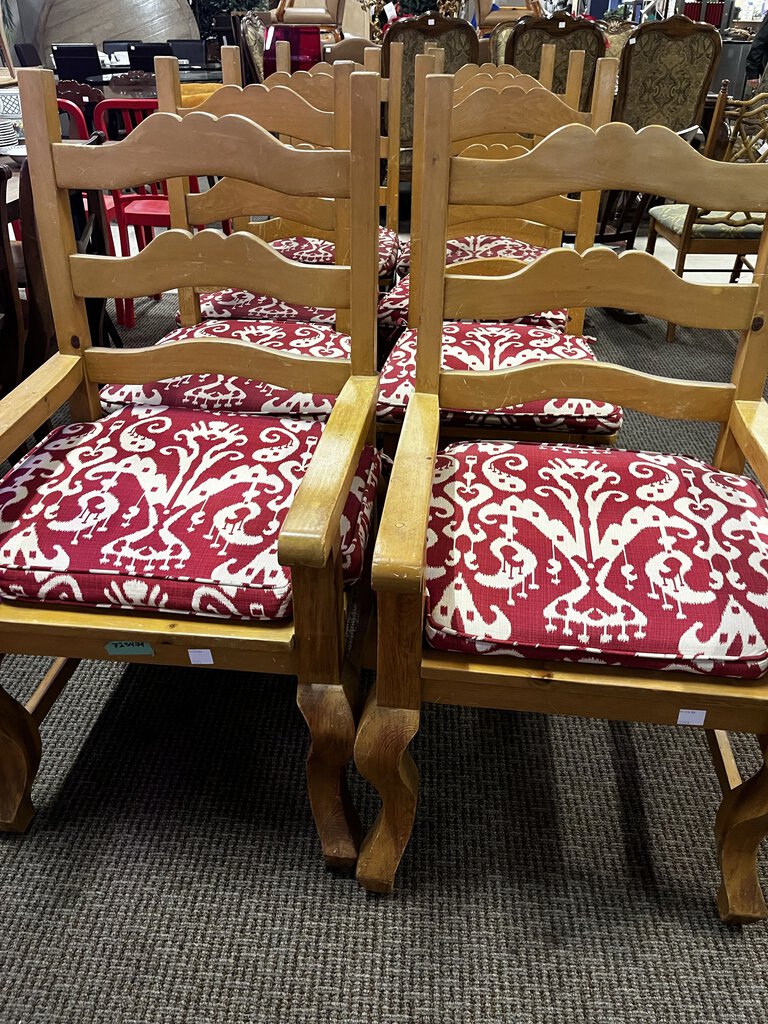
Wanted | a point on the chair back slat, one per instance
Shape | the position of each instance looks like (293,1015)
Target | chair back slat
(229,199)
(599,277)
(575,158)
(254,362)
(511,111)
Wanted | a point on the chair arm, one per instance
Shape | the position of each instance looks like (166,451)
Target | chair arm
(399,555)
(31,403)
(312,525)
(280,11)
(749,424)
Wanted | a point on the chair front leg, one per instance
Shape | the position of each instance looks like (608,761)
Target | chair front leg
(20,752)
(742,824)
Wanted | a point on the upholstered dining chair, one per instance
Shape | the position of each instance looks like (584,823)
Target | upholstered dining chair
(617,33)
(176,535)
(571,580)
(737,232)
(665,73)
(567,33)
(455,37)
(498,41)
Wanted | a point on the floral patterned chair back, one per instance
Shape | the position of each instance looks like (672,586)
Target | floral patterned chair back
(617,33)
(567,33)
(455,37)
(665,72)
(499,39)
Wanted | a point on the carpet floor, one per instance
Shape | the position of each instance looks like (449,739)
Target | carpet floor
(561,869)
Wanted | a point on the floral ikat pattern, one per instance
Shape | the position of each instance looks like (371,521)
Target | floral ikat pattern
(166,510)
(321,252)
(497,347)
(599,555)
(219,392)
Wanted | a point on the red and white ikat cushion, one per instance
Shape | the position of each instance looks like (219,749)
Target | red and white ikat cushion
(241,304)
(217,391)
(476,247)
(320,252)
(597,555)
(393,311)
(166,510)
(498,347)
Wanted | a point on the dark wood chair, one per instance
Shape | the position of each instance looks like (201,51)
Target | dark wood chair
(12,328)
(567,33)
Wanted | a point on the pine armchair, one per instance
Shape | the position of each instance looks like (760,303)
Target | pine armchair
(172,536)
(573,580)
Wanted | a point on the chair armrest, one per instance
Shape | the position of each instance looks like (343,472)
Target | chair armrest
(399,555)
(280,10)
(30,403)
(312,525)
(749,424)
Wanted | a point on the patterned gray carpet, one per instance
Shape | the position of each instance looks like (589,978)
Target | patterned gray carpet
(560,869)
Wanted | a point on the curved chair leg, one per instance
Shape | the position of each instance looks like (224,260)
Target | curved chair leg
(19,760)
(381,755)
(330,716)
(742,823)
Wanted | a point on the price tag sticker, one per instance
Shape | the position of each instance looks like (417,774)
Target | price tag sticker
(391,12)
(430,21)
(201,656)
(130,649)
(689,716)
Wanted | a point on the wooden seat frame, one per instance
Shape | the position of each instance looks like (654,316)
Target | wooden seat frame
(312,645)
(572,159)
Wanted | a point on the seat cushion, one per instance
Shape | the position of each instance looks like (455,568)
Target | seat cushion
(598,555)
(166,510)
(393,311)
(240,304)
(320,251)
(476,247)
(215,392)
(739,225)
(498,347)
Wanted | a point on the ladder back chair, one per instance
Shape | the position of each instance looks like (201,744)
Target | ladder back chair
(573,580)
(493,237)
(195,536)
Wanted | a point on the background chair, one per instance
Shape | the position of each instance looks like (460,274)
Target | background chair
(499,39)
(665,73)
(110,46)
(455,37)
(330,15)
(77,61)
(567,33)
(192,50)
(617,33)
(27,56)
(141,56)
(490,16)
(693,230)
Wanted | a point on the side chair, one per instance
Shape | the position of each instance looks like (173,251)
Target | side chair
(174,536)
(570,580)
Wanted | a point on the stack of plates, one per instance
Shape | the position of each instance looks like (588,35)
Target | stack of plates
(8,134)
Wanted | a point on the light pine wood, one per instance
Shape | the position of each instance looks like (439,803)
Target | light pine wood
(558,212)
(723,760)
(547,66)
(562,378)
(511,111)
(230,145)
(312,525)
(574,78)
(575,158)
(283,56)
(311,646)
(231,67)
(600,277)
(210,259)
(218,355)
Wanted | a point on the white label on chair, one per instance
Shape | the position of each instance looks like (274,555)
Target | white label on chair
(431,21)
(687,716)
(561,25)
(200,657)
(632,42)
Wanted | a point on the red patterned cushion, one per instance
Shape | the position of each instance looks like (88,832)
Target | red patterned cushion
(320,251)
(244,305)
(217,391)
(168,510)
(476,247)
(599,555)
(497,347)
(393,311)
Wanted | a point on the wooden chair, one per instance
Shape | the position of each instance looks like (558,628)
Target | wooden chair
(617,33)
(567,33)
(12,277)
(456,37)
(328,15)
(564,580)
(692,230)
(498,41)
(488,19)
(665,73)
(209,586)
(488,120)
(282,102)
